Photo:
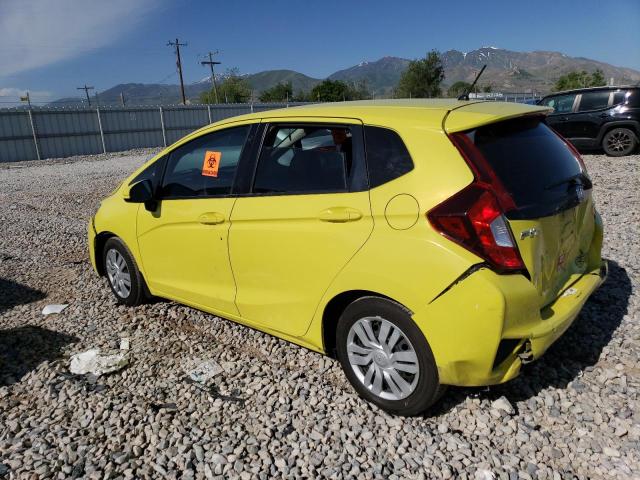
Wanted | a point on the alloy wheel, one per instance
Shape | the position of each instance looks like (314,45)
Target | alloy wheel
(619,141)
(383,358)
(118,273)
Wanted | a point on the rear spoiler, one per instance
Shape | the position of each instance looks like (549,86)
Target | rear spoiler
(473,115)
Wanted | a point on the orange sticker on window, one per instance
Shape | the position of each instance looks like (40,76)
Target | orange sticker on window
(211,163)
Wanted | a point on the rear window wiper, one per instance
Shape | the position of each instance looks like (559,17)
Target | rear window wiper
(586,181)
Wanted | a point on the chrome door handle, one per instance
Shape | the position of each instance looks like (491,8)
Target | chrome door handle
(211,218)
(340,215)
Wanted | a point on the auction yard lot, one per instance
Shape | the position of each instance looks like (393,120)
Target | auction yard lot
(278,410)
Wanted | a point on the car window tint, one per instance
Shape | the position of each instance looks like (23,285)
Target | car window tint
(561,103)
(594,101)
(387,156)
(205,166)
(304,159)
(619,97)
(533,163)
(633,98)
(153,172)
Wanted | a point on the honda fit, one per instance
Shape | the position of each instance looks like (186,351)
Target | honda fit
(422,243)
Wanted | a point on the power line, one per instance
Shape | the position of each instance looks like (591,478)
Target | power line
(211,63)
(177,44)
(86,91)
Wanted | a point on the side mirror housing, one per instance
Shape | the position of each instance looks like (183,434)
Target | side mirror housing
(142,192)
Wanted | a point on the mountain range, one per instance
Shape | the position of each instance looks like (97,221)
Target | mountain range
(507,71)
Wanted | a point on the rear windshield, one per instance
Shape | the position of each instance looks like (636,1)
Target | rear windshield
(536,167)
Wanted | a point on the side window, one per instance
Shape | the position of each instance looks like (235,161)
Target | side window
(153,172)
(387,156)
(594,101)
(205,166)
(619,97)
(304,159)
(561,103)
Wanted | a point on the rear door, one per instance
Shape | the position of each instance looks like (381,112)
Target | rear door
(307,214)
(561,117)
(590,114)
(553,222)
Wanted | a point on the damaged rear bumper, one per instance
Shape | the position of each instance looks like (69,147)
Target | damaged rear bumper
(486,327)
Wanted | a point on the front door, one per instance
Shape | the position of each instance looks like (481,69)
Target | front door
(307,215)
(183,243)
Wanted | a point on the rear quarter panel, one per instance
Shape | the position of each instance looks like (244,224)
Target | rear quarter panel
(405,258)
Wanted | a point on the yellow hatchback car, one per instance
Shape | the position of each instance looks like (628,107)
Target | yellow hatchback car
(424,243)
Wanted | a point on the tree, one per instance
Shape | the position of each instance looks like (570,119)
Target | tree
(337,91)
(457,89)
(597,78)
(281,92)
(422,78)
(233,89)
(580,79)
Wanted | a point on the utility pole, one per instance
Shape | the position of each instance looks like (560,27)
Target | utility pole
(122,98)
(86,92)
(211,63)
(26,98)
(177,44)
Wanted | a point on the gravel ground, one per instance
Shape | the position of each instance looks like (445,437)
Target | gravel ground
(278,410)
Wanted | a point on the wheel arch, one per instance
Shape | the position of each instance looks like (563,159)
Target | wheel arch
(98,247)
(334,308)
(606,127)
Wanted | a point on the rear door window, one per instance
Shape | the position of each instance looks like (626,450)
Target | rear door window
(205,166)
(594,101)
(387,155)
(561,103)
(535,165)
(305,159)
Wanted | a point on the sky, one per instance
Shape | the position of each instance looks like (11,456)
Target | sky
(51,47)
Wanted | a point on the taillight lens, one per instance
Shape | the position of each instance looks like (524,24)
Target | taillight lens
(473,218)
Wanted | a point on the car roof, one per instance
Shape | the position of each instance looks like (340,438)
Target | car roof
(430,112)
(591,89)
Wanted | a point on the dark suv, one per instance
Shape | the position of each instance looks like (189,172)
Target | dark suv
(606,117)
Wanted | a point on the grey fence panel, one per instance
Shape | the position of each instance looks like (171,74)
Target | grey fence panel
(16,138)
(67,132)
(179,122)
(131,128)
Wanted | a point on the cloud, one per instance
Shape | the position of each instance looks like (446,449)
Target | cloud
(37,33)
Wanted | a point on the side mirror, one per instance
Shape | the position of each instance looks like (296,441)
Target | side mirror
(142,192)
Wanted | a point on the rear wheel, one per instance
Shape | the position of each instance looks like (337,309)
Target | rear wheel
(619,142)
(125,279)
(386,357)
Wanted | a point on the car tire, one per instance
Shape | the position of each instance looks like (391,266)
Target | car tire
(370,335)
(619,142)
(124,277)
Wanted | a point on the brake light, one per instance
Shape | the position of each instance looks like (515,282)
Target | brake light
(474,217)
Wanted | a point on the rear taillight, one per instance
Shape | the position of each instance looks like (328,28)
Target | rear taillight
(474,217)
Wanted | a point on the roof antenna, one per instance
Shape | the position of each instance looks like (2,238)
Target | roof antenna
(465,95)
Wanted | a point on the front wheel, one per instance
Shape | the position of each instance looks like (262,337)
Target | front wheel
(619,142)
(125,279)
(386,357)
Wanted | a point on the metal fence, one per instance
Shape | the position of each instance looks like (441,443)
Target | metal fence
(62,132)
(53,133)
(517,97)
